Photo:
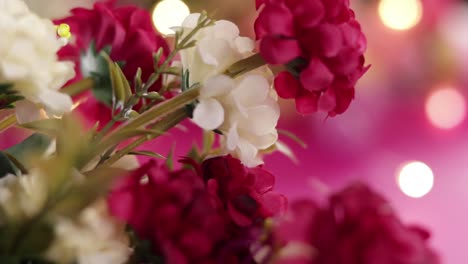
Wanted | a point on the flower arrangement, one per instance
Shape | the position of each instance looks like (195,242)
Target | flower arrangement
(74,191)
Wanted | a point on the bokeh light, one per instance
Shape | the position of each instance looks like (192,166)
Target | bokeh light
(400,14)
(168,14)
(446,108)
(415,179)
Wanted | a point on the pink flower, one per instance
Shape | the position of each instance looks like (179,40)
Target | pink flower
(321,44)
(245,192)
(357,227)
(130,34)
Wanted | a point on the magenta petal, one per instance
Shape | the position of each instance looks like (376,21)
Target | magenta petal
(317,76)
(306,102)
(258,3)
(327,101)
(330,39)
(264,180)
(307,13)
(277,20)
(286,85)
(238,218)
(279,51)
(275,203)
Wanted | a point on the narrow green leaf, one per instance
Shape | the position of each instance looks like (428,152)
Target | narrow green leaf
(35,144)
(147,154)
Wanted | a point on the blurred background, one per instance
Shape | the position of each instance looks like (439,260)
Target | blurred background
(405,133)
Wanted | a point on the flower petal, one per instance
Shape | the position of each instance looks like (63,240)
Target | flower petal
(279,51)
(286,85)
(252,90)
(317,76)
(208,114)
(217,85)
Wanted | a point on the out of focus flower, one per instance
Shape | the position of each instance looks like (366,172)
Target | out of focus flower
(320,43)
(192,221)
(217,47)
(244,109)
(245,192)
(358,226)
(172,210)
(29,62)
(22,196)
(94,238)
(130,34)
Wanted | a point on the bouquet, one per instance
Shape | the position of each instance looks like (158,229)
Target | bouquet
(94,88)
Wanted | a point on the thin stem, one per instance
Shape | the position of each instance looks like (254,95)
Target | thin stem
(243,66)
(7,122)
(78,87)
(164,108)
(163,125)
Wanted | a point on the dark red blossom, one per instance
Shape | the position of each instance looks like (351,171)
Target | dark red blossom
(190,221)
(357,227)
(127,30)
(321,44)
(245,192)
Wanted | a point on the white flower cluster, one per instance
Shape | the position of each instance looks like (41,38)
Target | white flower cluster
(22,196)
(94,238)
(28,47)
(244,109)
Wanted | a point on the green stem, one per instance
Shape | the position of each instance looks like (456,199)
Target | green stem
(164,108)
(78,87)
(163,125)
(245,65)
(7,122)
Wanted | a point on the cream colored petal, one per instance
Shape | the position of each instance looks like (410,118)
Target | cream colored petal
(208,114)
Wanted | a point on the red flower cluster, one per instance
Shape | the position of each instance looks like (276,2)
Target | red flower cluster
(130,33)
(358,227)
(320,43)
(183,217)
(245,192)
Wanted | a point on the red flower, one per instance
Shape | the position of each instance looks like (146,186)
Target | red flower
(321,44)
(179,216)
(130,34)
(358,227)
(245,192)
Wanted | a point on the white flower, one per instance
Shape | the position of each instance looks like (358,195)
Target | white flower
(28,47)
(94,238)
(244,109)
(217,48)
(22,196)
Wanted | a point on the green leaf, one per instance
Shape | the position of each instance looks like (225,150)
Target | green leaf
(35,144)
(6,166)
(94,64)
(170,158)
(147,153)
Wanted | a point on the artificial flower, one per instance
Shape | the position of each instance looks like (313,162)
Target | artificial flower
(129,32)
(217,47)
(29,62)
(358,226)
(22,196)
(321,44)
(95,237)
(244,109)
(245,192)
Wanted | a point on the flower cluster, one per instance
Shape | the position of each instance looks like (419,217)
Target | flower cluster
(321,44)
(191,220)
(245,108)
(29,61)
(358,226)
(130,35)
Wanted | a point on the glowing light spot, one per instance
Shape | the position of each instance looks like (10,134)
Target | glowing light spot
(415,179)
(168,14)
(446,108)
(400,14)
